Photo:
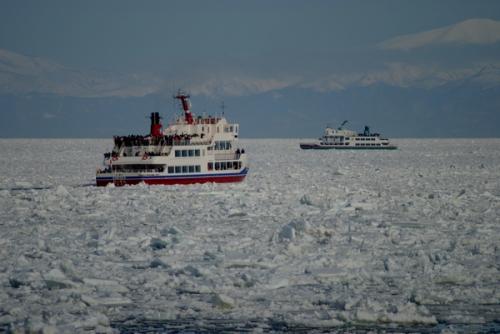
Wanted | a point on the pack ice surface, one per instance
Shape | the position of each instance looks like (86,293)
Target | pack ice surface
(312,239)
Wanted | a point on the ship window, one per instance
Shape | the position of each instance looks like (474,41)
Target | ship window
(184,153)
(178,169)
(191,153)
(216,145)
(223,165)
(191,169)
(197,168)
(217,166)
(231,128)
(177,153)
(239,164)
(170,169)
(184,169)
(235,164)
(196,153)
(210,165)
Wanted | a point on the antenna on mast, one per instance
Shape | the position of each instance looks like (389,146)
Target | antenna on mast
(223,107)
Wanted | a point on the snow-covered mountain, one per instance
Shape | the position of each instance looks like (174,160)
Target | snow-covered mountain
(472,31)
(20,74)
(399,99)
(409,76)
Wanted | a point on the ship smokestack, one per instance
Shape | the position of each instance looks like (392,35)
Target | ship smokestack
(155,124)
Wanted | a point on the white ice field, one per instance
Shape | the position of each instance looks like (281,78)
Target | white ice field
(326,240)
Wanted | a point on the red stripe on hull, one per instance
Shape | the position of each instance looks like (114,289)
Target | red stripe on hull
(206,179)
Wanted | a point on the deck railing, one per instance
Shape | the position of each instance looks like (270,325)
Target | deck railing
(227,156)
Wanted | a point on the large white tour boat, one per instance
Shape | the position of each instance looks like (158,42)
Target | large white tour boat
(343,139)
(191,150)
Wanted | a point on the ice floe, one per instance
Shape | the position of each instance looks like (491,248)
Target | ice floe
(311,240)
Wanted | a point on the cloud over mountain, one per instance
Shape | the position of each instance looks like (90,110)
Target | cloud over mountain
(472,31)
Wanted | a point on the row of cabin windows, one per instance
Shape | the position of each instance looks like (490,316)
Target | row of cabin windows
(224,165)
(365,138)
(226,129)
(184,169)
(222,145)
(367,144)
(187,153)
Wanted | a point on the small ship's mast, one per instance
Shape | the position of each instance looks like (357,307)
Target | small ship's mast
(186,105)
(223,107)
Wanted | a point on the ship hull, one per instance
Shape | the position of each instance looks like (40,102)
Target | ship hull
(122,180)
(347,147)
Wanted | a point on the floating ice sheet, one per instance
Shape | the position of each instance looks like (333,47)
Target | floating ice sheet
(311,239)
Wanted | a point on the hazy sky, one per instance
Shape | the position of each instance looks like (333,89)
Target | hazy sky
(416,65)
(258,36)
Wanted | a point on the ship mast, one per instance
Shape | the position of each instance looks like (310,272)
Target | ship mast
(186,105)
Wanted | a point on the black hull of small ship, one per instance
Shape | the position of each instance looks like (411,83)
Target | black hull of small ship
(347,147)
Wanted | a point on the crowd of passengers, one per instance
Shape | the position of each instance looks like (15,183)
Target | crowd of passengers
(131,170)
(138,140)
(137,154)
